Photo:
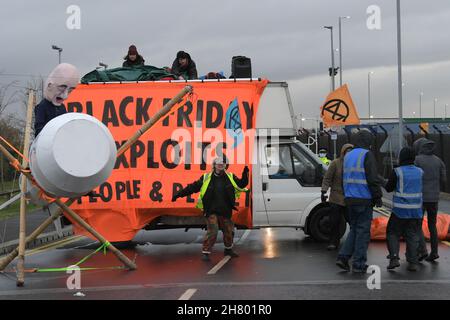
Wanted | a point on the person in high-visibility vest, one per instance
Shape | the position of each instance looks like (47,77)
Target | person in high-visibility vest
(362,190)
(406,217)
(323,156)
(219,191)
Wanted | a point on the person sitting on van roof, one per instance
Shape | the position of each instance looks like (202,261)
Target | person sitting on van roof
(133,58)
(184,67)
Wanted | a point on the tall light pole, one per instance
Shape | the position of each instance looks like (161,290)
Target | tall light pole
(59,52)
(445,111)
(368,89)
(434,107)
(332,57)
(400,89)
(340,49)
(420,104)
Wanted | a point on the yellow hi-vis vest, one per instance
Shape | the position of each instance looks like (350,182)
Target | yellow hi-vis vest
(207,180)
(325,160)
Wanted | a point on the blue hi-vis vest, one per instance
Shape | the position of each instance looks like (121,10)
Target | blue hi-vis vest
(407,200)
(355,183)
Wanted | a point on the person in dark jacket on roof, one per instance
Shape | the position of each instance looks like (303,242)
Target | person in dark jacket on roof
(184,67)
(133,58)
(434,177)
(406,217)
(362,191)
(219,191)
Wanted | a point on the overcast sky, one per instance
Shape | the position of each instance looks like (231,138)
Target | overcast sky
(284,38)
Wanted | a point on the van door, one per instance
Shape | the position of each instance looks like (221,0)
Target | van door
(292,182)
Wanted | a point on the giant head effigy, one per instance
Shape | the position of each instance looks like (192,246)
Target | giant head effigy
(74,153)
(61,81)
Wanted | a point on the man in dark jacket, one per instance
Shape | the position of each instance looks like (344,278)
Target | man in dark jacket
(219,191)
(434,176)
(184,67)
(362,191)
(60,83)
(406,217)
(333,180)
(133,58)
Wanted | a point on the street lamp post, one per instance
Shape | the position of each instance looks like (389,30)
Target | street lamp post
(332,57)
(340,49)
(59,52)
(399,67)
(434,107)
(420,104)
(368,90)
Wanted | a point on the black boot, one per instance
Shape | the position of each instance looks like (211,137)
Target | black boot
(393,263)
(343,264)
(432,257)
(231,253)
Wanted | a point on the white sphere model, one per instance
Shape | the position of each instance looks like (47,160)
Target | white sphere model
(73,154)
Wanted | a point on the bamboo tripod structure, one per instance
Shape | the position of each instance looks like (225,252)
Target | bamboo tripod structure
(23,185)
(4,262)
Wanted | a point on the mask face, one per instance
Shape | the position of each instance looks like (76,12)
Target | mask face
(60,83)
(322,155)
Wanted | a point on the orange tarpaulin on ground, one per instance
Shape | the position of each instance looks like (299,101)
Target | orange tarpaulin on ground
(379,225)
(339,109)
(218,118)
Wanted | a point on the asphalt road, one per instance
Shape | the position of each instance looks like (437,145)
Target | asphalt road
(273,264)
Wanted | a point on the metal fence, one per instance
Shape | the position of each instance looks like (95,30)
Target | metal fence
(439,133)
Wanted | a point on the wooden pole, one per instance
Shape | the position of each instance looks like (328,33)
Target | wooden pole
(23,184)
(69,211)
(158,115)
(131,265)
(4,262)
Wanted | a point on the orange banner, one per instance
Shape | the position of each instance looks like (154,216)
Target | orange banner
(339,109)
(217,119)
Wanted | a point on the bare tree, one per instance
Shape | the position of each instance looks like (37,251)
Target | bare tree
(8,95)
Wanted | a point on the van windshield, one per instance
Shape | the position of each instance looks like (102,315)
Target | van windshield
(311,155)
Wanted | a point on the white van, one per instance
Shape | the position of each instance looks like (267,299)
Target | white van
(286,175)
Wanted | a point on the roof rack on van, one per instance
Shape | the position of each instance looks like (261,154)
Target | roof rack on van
(181,81)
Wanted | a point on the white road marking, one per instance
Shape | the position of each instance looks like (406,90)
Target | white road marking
(219,265)
(22,292)
(188,294)
(244,236)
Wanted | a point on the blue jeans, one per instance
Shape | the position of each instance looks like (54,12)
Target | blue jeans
(357,242)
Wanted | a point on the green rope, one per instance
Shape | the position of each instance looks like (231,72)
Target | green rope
(103,247)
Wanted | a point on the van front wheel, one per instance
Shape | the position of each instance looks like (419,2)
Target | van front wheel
(320,226)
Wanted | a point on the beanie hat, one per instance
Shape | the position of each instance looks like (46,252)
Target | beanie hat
(406,156)
(183,55)
(132,50)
